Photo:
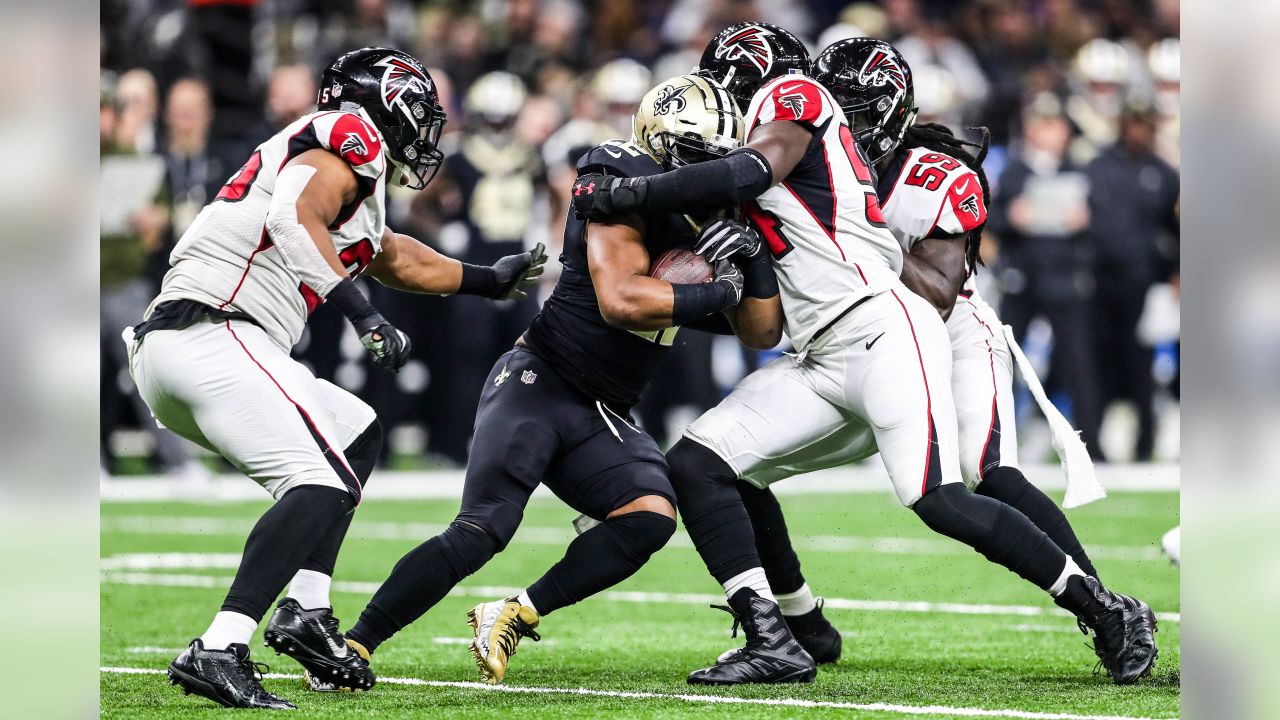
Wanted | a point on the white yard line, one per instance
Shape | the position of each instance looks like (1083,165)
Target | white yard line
(132,569)
(447,484)
(924,710)
(210,526)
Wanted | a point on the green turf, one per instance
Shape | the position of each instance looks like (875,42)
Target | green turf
(1038,664)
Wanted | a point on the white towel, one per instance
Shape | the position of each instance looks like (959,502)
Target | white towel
(1082,482)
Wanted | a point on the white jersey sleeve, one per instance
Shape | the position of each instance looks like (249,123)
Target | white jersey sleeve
(822,222)
(226,259)
(932,195)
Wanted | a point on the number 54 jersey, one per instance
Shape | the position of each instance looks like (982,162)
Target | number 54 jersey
(226,259)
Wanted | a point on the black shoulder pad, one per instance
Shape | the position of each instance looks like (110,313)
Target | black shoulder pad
(618,158)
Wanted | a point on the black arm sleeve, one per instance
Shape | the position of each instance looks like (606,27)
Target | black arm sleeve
(696,301)
(716,324)
(728,181)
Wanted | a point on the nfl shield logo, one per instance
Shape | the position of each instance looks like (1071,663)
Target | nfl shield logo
(528,376)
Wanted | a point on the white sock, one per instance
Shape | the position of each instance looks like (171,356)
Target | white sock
(310,589)
(523,599)
(1068,570)
(228,628)
(754,579)
(798,602)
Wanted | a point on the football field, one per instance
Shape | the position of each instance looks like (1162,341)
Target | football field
(931,629)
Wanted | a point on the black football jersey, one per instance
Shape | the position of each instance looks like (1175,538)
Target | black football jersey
(604,362)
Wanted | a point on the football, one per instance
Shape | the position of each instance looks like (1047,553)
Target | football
(681,267)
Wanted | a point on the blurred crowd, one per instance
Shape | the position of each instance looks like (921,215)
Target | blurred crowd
(1081,98)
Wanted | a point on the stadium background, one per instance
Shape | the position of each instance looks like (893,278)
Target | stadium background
(1078,95)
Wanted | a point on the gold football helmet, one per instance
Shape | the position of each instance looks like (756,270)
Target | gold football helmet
(685,120)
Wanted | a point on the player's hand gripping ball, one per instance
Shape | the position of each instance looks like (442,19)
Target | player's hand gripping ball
(679,266)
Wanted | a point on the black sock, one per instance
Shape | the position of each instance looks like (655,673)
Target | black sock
(362,455)
(1010,486)
(421,579)
(773,543)
(600,558)
(1003,535)
(708,500)
(284,537)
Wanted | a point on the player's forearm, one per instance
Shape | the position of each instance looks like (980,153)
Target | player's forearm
(417,268)
(758,322)
(929,283)
(637,303)
(300,234)
(712,185)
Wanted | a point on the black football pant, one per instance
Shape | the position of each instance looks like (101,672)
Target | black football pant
(532,428)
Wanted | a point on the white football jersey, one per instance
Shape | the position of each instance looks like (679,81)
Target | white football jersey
(226,258)
(830,245)
(931,194)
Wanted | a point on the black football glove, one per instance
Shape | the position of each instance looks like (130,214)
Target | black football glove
(599,197)
(388,346)
(724,238)
(730,276)
(516,273)
(385,342)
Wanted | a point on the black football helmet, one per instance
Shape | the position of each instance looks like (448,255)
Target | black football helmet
(872,83)
(743,57)
(395,92)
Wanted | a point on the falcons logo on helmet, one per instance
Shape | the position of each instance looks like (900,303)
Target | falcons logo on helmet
(970,205)
(881,68)
(748,43)
(400,77)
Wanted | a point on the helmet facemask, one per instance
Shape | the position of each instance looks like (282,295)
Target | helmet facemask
(414,151)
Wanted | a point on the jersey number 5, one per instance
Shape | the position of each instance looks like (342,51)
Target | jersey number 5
(931,178)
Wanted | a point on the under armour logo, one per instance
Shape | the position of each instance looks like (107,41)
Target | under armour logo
(528,376)
(589,188)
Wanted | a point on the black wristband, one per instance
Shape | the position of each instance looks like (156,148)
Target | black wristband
(758,278)
(728,181)
(694,301)
(352,303)
(478,280)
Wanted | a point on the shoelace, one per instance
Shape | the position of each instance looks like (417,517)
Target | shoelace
(255,669)
(512,633)
(737,621)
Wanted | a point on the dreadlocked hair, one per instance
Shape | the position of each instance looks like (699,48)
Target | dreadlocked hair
(939,138)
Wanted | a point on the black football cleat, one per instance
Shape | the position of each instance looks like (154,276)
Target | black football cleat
(1123,631)
(771,655)
(816,635)
(227,677)
(311,637)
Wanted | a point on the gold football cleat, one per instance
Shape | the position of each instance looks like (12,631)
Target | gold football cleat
(498,626)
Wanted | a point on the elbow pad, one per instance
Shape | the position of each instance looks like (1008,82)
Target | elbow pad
(728,181)
(296,247)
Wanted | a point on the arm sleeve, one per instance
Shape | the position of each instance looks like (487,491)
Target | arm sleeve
(294,243)
(716,324)
(726,182)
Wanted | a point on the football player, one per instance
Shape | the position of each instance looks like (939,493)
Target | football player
(933,196)
(287,232)
(871,357)
(556,408)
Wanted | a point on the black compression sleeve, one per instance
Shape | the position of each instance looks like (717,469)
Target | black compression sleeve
(759,280)
(728,181)
(351,302)
(695,301)
(478,280)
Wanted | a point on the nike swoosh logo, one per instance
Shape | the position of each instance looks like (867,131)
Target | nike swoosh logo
(612,153)
(961,189)
(789,89)
(874,340)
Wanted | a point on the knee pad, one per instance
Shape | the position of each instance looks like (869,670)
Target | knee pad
(362,454)
(467,547)
(692,462)
(642,533)
(952,510)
